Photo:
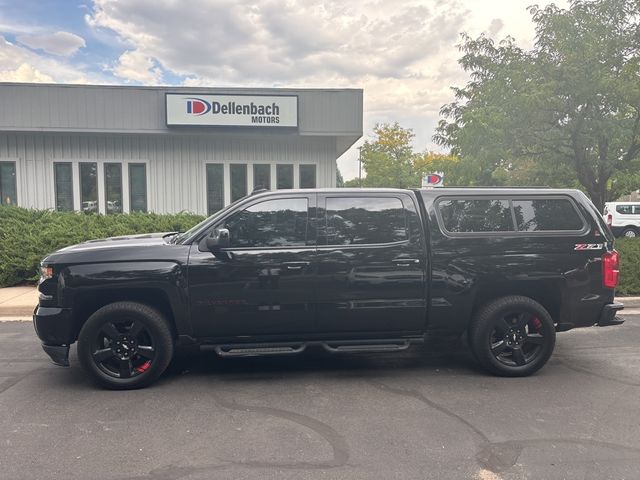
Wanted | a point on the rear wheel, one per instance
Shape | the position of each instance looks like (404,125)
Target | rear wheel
(125,345)
(629,232)
(512,336)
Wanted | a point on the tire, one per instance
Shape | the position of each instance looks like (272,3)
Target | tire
(512,336)
(125,345)
(629,232)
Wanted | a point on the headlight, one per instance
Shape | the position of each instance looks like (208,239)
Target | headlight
(46,272)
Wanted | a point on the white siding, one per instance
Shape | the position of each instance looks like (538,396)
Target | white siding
(176,171)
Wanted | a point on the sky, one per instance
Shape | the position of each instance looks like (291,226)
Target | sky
(403,53)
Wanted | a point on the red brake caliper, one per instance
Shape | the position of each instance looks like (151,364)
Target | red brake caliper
(537,324)
(142,368)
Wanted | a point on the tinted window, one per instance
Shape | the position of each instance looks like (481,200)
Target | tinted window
(365,220)
(546,214)
(215,187)
(238,181)
(63,186)
(628,209)
(476,215)
(113,187)
(272,223)
(138,187)
(307,176)
(262,176)
(89,187)
(284,176)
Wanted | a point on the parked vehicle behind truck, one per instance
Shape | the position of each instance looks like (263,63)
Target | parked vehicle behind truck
(351,270)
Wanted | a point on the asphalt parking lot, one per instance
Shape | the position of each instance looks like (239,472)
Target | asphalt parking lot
(428,413)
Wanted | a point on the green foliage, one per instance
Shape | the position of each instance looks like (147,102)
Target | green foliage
(629,249)
(339,179)
(388,159)
(26,236)
(565,113)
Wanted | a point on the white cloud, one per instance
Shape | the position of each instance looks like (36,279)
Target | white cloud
(403,52)
(136,66)
(23,65)
(58,43)
(24,73)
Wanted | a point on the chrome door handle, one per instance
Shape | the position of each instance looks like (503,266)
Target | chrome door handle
(296,265)
(406,262)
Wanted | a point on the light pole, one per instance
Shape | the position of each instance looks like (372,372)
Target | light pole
(360,166)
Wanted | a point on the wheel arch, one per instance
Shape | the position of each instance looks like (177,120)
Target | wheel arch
(87,303)
(548,294)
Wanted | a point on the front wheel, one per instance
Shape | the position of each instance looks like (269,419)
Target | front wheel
(513,336)
(125,345)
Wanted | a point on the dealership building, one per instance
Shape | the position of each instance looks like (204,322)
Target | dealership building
(112,149)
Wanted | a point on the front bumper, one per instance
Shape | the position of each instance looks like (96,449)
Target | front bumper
(59,354)
(55,327)
(608,315)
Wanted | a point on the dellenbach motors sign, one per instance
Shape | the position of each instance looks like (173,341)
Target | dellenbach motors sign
(232,110)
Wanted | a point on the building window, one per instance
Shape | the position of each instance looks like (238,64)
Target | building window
(8,195)
(138,187)
(238,181)
(284,176)
(215,187)
(307,176)
(89,187)
(261,176)
(63,178)
(113,187)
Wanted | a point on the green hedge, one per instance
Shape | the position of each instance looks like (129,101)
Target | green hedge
(26,236)
(629,249)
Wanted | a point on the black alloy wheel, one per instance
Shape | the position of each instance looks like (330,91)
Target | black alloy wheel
(123,349)
(125,345)
(517,339)
(512,336)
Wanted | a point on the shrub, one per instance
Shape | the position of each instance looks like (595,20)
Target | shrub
(629,249)
(26,236)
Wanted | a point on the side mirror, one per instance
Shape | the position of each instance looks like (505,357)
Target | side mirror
(217,239)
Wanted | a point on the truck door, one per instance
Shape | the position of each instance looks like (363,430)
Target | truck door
(371,264)
(262,284)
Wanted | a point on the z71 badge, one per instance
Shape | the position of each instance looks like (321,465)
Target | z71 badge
(589,246)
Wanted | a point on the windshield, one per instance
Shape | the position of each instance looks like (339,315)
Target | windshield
(181,237)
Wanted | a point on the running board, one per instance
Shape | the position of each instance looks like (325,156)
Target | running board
(255,350)
(335,346)
(367,346)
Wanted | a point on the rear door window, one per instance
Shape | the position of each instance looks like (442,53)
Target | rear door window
(365,220)
(474,215)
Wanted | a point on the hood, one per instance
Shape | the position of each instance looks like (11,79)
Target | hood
(116,246)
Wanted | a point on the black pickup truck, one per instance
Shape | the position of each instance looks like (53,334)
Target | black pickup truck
(350,270)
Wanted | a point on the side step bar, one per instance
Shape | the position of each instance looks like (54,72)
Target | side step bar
(259,349)
(366,346)
(292,348)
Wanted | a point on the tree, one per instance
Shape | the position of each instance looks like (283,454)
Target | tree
(339,179)
(565,112)
(388,159)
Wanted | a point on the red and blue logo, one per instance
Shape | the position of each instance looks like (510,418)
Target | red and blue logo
(197,106)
